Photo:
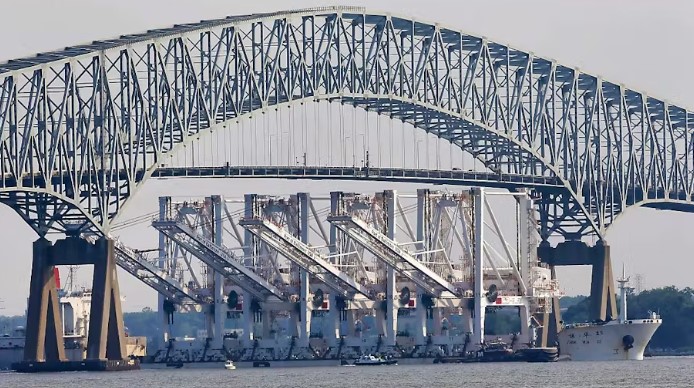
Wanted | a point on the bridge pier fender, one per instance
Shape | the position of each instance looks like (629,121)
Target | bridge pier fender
(603,305)
(44,332)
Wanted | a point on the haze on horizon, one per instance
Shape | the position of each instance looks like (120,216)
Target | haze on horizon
(642,44)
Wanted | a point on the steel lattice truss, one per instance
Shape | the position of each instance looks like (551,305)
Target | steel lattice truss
(82,127)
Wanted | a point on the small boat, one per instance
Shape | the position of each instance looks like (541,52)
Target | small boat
(371,360)
(229,365)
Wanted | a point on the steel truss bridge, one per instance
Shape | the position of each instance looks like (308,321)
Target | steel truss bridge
(82,128)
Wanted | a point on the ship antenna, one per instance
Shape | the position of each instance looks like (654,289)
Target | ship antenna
(623,295)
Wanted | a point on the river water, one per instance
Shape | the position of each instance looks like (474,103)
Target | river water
(657,372)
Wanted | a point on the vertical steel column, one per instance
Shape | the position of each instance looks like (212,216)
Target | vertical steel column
(525,223)
(389,199)
(423,218)
(423,225)
(164,205)
(249,241)
(525,259)
(209,311)
(248,319)
(248,251)
(351,315)
(525,333)
(480,300)
(218,284)
(335,208)
(305,290)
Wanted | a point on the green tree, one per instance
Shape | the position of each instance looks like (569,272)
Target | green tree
(676,307)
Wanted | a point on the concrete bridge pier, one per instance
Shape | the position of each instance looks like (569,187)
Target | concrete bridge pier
(603,304)
(44,333)
(106,338)
(44,336)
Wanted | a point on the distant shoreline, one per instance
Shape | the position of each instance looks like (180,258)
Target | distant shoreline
(669,353)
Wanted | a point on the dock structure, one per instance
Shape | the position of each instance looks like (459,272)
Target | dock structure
(406,274)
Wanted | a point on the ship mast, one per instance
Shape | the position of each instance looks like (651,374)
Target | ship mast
(70,278)
(623,296)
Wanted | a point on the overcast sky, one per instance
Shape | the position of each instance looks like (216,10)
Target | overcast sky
(643,44)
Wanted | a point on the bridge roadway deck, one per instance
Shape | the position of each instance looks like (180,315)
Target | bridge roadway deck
(452,177)
(444,177)
(654,199)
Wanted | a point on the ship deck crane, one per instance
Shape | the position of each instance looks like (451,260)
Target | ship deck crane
(219,258)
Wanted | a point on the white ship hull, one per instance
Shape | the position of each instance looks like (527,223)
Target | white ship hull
(607,342)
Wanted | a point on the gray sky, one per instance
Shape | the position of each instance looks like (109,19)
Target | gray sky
(643,44)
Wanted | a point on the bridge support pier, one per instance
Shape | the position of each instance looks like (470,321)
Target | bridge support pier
(44,333)
(44,337)
(106,330)
(603,304)
(603,300)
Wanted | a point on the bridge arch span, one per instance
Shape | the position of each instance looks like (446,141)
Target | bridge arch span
(102,116)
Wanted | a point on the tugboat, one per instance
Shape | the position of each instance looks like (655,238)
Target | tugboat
(371,360)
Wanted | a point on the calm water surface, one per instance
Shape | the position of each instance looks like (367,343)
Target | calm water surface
(655,372)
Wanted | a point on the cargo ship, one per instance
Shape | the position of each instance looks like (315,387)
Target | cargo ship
(624,339)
